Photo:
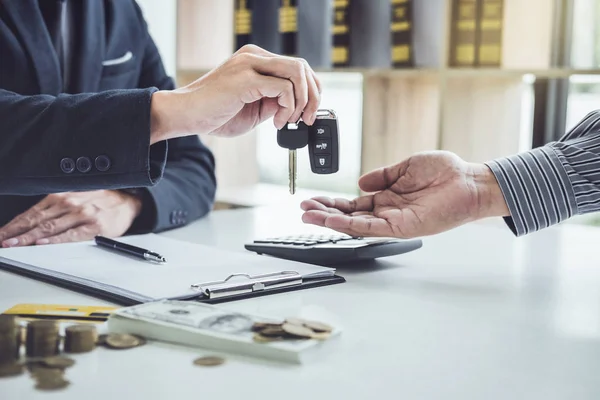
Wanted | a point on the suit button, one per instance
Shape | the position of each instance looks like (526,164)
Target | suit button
(84,164)
(174,218)
(67,165)
(102,163)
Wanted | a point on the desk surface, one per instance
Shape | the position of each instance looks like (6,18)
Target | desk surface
(475,314)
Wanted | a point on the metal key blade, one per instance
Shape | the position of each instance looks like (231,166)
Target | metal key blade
(292,171)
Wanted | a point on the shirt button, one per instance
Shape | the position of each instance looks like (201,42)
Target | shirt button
(67,165)
(84,164)
(102,163)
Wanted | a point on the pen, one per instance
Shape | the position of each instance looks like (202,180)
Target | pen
(129,249)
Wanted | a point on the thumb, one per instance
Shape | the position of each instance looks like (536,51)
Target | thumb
(382,178)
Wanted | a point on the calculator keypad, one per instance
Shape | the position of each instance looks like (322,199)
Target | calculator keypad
(305,240)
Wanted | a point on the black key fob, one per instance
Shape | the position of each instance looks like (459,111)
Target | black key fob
(324,143)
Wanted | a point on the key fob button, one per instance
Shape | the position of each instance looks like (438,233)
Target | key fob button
(323,161)
(323,146)
(322,132)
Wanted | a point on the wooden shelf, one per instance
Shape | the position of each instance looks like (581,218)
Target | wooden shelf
(192,74)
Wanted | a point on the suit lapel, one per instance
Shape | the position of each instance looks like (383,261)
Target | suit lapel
(31,28)
(88,46)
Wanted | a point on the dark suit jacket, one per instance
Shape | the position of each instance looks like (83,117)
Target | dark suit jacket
(97,136)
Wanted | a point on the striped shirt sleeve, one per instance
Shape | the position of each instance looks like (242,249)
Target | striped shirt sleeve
(549,184)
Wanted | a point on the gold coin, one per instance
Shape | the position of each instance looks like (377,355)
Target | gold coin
(321,336)
(278,331)
(121,341)
(141,340)
(101,339)
(58,362)
(297,331)
(318,326)
(259,326)
(209,361)
(295,321)
(13,369)
(52,384)
(266,339)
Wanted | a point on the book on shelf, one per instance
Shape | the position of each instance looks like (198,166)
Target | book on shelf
(242,23)
(257,22)
(463,35)
(305,29)
(401,28)
(368,28)
(489,33)
(340,55)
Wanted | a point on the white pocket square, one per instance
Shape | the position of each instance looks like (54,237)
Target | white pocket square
(116,61)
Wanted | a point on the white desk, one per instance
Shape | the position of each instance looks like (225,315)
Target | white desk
(474,314)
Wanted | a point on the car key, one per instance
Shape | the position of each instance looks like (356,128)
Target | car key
(323,141)
(292,137)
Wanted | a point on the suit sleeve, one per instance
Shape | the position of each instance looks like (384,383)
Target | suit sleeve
(550,184)
(186,191)
(77,142)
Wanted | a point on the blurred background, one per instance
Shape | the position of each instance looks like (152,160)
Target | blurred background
(482,78)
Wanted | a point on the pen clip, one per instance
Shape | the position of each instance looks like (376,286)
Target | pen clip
(228,287)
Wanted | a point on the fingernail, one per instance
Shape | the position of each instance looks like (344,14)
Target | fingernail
(10,242)
(42,241)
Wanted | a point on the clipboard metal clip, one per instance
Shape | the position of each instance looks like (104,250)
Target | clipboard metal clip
(257,283)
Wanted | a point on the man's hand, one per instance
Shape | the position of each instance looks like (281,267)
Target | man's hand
(72,217)
(249,88)
(424,195)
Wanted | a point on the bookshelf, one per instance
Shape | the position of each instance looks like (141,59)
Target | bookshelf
(476,112)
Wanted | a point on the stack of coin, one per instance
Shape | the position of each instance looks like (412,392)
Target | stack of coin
(10,343)
(291,329)
(80,338)
(121,341)
(42,339)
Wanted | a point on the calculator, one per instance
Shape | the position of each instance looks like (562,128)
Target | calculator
(331,249)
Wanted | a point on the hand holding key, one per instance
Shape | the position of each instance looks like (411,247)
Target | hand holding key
(323,144)
(246,90)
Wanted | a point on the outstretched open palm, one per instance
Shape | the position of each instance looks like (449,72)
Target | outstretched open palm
(426,194)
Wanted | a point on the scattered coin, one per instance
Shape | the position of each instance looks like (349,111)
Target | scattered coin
(122,341)
(42,338)
(51,382)
(260,326)
(318,326)
(141,340)
(209,361)
(58,362)
(291,329)
(295,321)
(13,369)
(273,331)
(295,330)
(80,338)
(101,340)
(266,339)
(321,336)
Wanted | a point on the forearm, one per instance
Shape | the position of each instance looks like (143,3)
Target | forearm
(550,184)
(38,132)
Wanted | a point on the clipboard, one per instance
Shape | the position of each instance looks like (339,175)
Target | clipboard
(175,281)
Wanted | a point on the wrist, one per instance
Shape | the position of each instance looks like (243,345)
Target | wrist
(160,117)
(490,199)
(134,200)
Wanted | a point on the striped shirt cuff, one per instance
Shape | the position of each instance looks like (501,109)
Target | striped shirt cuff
(536,188)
